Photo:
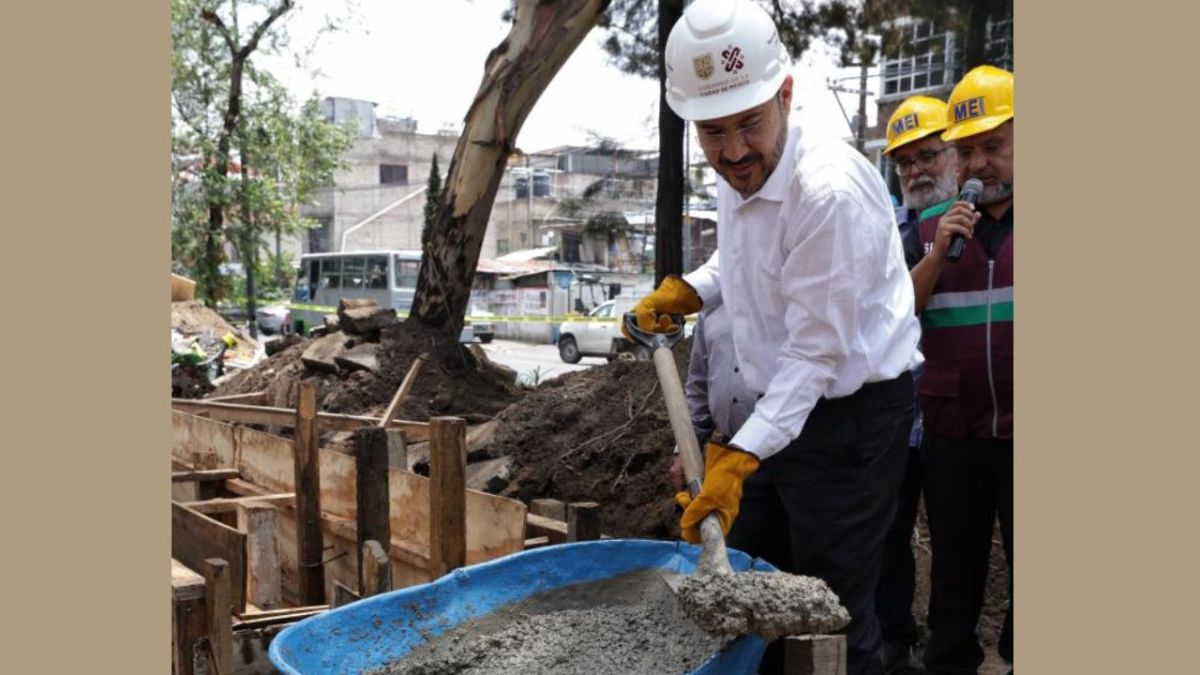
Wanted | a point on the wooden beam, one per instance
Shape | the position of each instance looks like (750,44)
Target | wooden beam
(397,450)
(286,417)
(405,386)
(253,398)
(550,508)
(535,542)
(195,537)
(541,526)
(308,497)
(371,489)
(447,494)
(259,521)
(814,655)
(377,569)
(231,504)
(217,589)
(208,475)
(583,521)
(189,617)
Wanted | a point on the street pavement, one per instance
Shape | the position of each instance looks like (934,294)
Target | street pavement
(535,363)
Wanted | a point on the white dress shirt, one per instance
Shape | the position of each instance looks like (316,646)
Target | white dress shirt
(812,270)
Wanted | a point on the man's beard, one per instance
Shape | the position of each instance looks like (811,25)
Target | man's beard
(945,187)
(996,193)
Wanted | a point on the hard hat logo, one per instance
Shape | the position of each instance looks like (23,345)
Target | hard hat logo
(704,66)
(906,123)
(969,109)
(731,58)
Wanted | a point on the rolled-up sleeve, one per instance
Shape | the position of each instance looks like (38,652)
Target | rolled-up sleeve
(831,256)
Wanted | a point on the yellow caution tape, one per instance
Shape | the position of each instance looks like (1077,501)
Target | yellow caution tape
(495,318)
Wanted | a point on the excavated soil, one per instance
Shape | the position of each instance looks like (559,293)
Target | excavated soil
(452,380)
(631,623)
(599,435)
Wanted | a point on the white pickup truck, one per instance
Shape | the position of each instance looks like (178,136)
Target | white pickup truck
(577,339)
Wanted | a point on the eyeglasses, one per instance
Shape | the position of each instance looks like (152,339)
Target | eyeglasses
(923,160)
(748,133)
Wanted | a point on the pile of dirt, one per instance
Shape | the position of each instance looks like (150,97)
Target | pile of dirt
(452,379)
(193,318)
(599,435)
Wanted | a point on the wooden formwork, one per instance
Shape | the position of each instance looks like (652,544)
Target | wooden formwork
(238,537)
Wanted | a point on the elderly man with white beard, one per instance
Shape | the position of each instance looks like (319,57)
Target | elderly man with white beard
(927,169)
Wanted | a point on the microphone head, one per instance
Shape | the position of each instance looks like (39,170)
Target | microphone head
(971,190)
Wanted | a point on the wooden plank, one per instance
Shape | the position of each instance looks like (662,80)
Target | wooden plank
(447,494)
(195,537)
(550,508)
(397,450)
(189,618)
(286,417)
(583,521)
(231,504)
(209,475)
(201,443)
(260,523)
(541,526)
(253,398)
(376,569)
(405,386)
(814,655)
(283,613)
(307,479)
(535,542)
(371,489)
(218,594)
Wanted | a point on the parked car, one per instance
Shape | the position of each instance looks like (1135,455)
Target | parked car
(274,319)
(482,324)
(577,339)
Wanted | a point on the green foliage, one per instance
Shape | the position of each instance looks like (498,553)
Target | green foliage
(245,156)
(433,202)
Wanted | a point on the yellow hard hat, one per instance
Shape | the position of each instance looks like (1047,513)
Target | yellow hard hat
(981,101)
(916,118)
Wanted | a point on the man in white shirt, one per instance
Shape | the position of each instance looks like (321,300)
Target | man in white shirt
(811,269)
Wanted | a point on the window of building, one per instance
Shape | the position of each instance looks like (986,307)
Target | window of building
(393,174)
(923,64)
(1000,43)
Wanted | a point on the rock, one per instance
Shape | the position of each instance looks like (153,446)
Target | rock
(484,364)
(364,320)
(321,353)
(491,476)
(275,346)
(360,357)
(332,323)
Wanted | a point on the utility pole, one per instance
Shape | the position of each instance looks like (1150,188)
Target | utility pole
(860,134)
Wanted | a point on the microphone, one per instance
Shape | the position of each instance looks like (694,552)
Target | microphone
(970,193)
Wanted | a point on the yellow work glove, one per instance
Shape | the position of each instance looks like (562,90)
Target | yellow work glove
(725,469)
(673,296)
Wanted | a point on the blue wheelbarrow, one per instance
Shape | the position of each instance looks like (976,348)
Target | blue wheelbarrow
(376,631)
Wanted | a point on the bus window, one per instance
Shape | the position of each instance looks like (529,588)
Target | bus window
(406,273)
(353,272)
(331,273)
(377,271)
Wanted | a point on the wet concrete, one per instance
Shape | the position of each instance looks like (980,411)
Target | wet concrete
(768,604)
(627,624)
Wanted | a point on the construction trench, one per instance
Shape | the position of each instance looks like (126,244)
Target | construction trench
(321,476)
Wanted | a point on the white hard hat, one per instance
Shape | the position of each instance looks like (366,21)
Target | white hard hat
(723,57)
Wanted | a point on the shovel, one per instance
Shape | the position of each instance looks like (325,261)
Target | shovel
(713,557)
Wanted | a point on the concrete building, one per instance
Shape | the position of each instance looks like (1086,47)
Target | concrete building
(377,202)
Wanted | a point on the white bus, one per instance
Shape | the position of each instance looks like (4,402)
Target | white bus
(387,277)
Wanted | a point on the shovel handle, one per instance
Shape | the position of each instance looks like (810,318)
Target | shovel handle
(713,558)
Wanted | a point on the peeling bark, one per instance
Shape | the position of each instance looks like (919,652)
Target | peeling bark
(544,34)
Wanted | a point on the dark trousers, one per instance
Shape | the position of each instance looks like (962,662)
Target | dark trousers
(897,581)
(967,484)
(823,504)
